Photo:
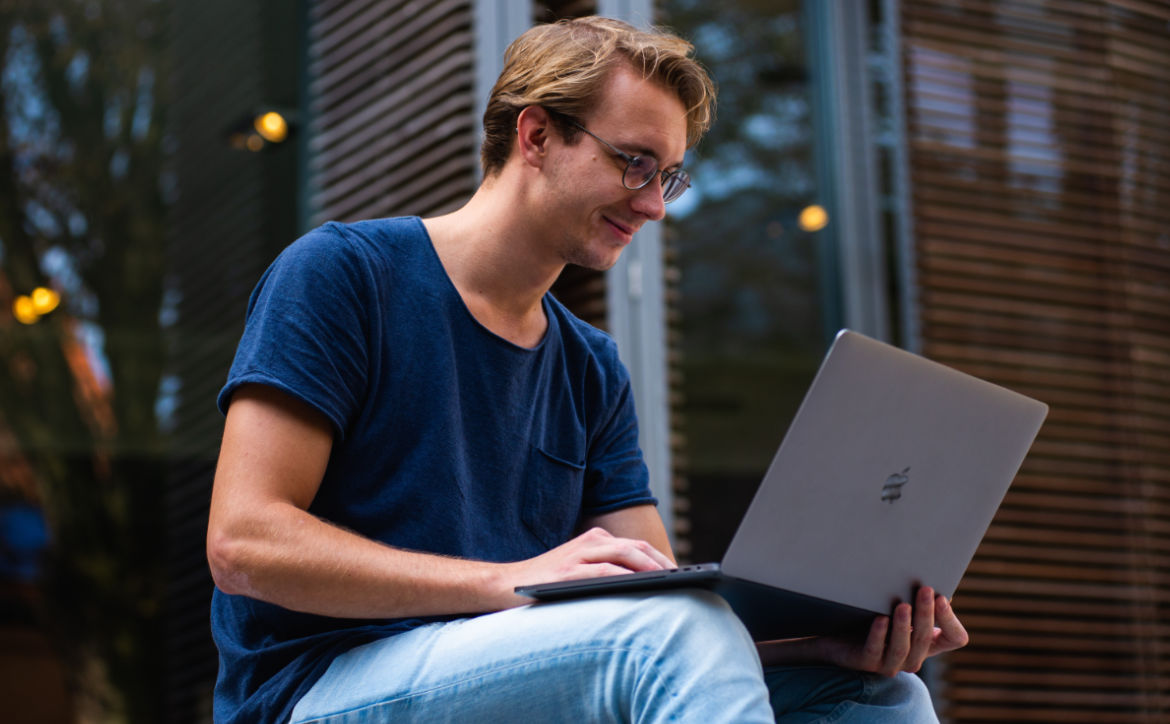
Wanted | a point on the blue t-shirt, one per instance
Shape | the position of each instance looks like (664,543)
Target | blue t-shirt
(447,438)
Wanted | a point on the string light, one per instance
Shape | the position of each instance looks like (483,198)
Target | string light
(813,218)
(45,300)
(271,126)
(29,308)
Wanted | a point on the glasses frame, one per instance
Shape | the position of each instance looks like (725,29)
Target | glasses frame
(671,180)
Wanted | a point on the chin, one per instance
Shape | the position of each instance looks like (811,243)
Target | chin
(599,262)
(593,258)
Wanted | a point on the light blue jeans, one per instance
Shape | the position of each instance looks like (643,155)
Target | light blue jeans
(668,657)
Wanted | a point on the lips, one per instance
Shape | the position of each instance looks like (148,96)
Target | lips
(623,229)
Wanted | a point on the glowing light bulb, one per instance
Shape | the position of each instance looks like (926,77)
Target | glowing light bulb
(813,218)
(24,309)
(45,300)
(271,126)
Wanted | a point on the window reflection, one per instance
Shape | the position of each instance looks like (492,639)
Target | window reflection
(83,100)
(749,324)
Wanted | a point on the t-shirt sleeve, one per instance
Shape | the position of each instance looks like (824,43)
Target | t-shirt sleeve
(306,331)
(615,473)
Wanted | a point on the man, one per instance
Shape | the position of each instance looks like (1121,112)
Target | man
(414,427)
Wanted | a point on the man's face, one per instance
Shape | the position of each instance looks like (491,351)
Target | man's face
(593,216)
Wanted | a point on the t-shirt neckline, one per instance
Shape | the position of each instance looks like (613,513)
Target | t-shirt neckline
(450,289)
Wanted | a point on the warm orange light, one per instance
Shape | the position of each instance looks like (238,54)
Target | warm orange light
(813,218)
(25,310)
(254,142)
(271,126)
(45,300)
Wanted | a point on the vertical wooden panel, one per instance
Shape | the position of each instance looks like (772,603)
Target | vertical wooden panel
(1040,165)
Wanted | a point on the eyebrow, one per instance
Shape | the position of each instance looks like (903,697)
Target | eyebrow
(643,151)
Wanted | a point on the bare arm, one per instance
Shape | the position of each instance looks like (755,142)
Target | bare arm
(262,542)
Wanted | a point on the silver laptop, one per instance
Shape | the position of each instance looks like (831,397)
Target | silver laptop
(887,479)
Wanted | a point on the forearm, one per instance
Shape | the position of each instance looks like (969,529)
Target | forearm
(284,555)
(262,542)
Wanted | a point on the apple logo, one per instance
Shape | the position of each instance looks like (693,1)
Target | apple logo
(892,489)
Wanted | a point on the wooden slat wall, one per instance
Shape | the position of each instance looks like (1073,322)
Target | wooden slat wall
(393,131)
(1040,173)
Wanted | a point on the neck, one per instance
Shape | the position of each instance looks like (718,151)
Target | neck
(498,263)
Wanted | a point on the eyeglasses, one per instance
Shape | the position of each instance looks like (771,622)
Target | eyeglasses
(641,170)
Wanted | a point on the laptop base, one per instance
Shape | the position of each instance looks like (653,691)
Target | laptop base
(768,613)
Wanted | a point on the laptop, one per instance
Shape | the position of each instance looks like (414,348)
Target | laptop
(886,480)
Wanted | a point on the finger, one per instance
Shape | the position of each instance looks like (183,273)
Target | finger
(641,556)
(951,633)
(875,645)
(922,631)
(632,554)
(659,557)
(645,548)
(598,536)
(898,646)
(595,570)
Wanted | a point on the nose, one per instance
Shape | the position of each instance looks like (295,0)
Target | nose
(648,201)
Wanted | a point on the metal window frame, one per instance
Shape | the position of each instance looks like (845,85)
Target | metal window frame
(899,191)
(855,280)
(497,23)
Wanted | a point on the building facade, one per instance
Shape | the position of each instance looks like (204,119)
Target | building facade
(985,182)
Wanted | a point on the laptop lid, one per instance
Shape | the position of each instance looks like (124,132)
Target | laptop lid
(887,479)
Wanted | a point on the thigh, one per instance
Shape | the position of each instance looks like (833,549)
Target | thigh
(823,694)
(597,659)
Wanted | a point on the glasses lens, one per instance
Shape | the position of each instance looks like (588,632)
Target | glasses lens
(674,185)
(639,172)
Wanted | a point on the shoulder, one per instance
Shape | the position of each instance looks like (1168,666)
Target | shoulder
(341,255)
(372,239)
(595,348)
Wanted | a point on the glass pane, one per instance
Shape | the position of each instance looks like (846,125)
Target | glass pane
(83,401)
(750,301)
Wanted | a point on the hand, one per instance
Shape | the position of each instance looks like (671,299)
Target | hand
(915,633)
(594,553)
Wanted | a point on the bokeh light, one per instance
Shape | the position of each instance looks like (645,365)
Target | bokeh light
(272,127)
(44,300)
(25,310)
(813,218)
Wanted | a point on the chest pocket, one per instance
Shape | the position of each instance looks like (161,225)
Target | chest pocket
(553,489)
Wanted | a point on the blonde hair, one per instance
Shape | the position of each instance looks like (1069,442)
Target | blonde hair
(563,66)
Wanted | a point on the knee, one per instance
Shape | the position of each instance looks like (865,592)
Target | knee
(694,606)
(908,693)
(693,615)
(689,643)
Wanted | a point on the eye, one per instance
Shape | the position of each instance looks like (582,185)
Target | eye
(643,168)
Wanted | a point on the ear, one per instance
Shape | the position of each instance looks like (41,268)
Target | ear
(533,130)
